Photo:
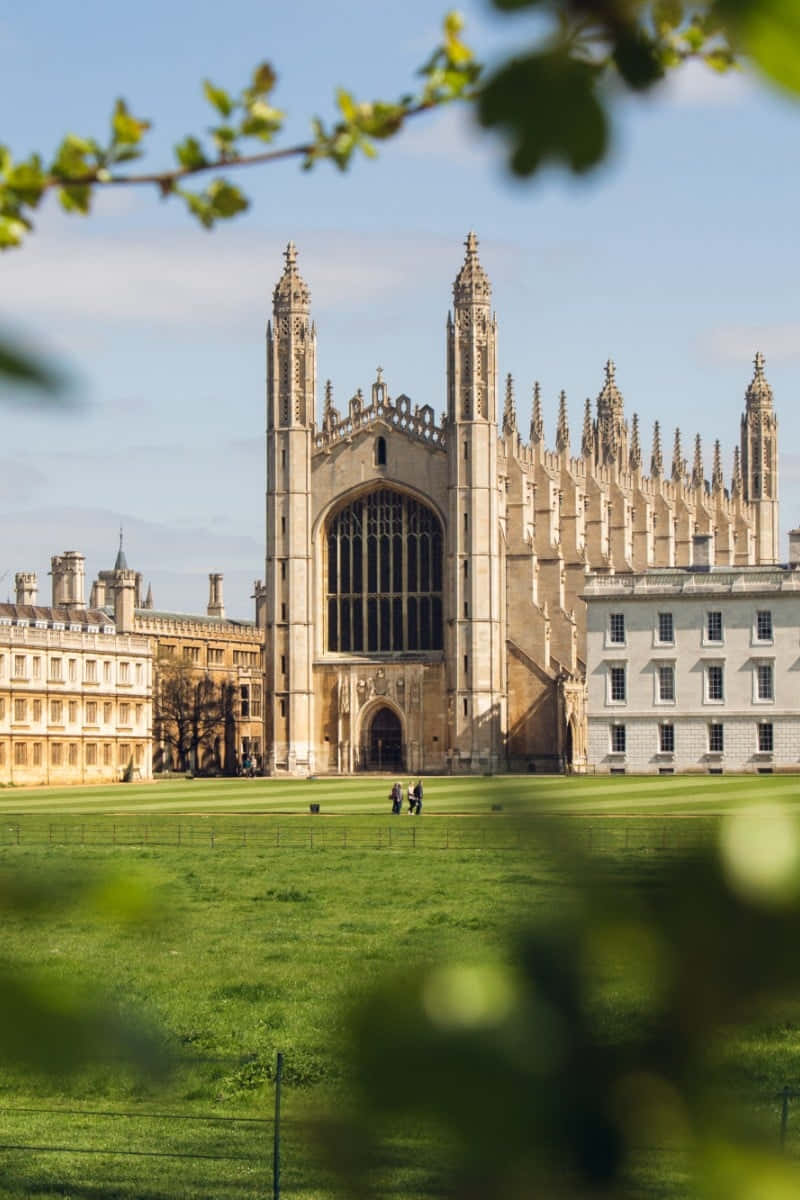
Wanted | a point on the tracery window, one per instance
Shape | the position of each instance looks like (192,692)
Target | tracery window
(384,576)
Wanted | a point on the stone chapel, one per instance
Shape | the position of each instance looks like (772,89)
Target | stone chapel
(424,577)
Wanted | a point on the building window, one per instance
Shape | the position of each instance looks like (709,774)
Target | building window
(191,654)
(72,754)
(766,740)
(283,707)
(37,754)
(714,682)
(20,710)
(55,754)
(714,627)
(36,663)
(765,685)
(139,713)
(91,713)
(91,754)
(20,754)
(666,628)
(73,670)
(255,701)
(124,714)
(56,710)
(716,739)
(19,666)
(617,685)
(123,755)
(666,739)
(666,683)
(73,710)
(56,670)
(617,739)
(124,672)
(90,667)
(384,586)
(106,754)
(107,711)
(138,754)
(139,673)
(380,452)
(106,672)
(764,625)
(616,629)
(37,710)
(2,709)
(215,656)
(244,700)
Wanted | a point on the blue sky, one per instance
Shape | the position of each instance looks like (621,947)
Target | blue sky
(679,259)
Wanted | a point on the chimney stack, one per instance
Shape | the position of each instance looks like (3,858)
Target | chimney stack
(69,579)
(27,587)
(216,606)
(794,548)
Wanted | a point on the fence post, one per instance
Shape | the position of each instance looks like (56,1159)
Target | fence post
(276,1155)
(414,836)
(784,1115)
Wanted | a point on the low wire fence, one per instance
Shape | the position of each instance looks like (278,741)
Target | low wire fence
(609,836)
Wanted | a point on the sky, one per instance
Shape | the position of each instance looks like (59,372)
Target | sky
(679,259)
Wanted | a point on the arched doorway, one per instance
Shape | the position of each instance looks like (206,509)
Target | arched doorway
(385,742)
(568,748)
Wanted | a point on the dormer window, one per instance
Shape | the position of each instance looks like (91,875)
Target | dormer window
(380,452)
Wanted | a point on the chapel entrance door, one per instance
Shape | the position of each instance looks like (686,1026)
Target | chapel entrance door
(385,744)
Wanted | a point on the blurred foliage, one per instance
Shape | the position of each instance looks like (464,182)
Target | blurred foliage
(54,1028)
(595,1034)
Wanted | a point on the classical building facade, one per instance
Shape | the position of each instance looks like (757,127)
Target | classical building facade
(75,693)
(424,576)
(693,669)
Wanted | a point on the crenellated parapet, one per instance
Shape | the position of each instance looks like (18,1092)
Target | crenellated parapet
(416,421)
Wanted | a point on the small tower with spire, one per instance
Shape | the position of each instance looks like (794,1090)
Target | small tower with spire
(291,392)
(759,443)
(612,432)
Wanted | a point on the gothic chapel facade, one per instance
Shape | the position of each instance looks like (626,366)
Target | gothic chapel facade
(424,579)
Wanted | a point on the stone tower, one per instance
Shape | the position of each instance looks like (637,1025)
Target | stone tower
(759,443)
(68,571)
(475,579)
(26,587)
(291,391)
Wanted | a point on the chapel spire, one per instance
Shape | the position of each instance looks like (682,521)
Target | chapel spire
(717,482)
(537,423)
(471,343)
(635,457)
(678,461)
(611,431)
(562,428)
(509,411)
(698,473)
(656,458)
(587,437)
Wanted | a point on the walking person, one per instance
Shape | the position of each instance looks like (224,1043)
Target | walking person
(418,797)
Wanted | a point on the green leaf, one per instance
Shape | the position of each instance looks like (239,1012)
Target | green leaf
(667,14)
(548,104)
(218,98)
(26,180)
(76,197)
(720,60)
(770,33)
(226,200)
(264,79)
(12,231)
(636,58)
(26,368)
(346,104)
(126,128)
(189,153)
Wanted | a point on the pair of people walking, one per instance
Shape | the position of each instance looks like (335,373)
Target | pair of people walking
(414,796)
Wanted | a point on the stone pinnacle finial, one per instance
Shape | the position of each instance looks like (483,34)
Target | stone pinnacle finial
(509,411)
(678,461)
(537,424)
(291,291)
(698,475)
(472,283)
(587,437)
(717,482)
(736,479)
(759,393)
(635,456)
(759,363)
(562,429)
(656,458)
(472,245)
(610,369)
(121,563)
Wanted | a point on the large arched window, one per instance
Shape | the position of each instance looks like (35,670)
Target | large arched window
(384,576)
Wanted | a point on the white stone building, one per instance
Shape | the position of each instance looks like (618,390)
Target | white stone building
(695,668)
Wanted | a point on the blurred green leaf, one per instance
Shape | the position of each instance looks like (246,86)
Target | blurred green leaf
(126,128)
(548,104)
(190,153)
(636,58)
(27,368)
(218,98)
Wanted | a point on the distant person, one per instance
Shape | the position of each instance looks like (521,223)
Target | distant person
(411,799)
(418,797)
(396,797)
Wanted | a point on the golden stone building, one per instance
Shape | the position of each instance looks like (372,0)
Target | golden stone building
(423,576)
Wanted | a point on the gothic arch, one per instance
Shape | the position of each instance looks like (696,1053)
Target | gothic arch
(363,729)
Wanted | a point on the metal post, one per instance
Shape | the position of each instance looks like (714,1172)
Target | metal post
(276,1156)
(784,1114)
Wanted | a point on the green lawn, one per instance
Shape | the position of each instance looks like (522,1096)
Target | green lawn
(266,920)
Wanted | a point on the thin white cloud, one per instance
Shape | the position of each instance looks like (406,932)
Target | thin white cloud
(738,343)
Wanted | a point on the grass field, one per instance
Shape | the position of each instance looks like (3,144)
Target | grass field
(266,921)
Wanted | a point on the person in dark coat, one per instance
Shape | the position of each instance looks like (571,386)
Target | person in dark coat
(418,797)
